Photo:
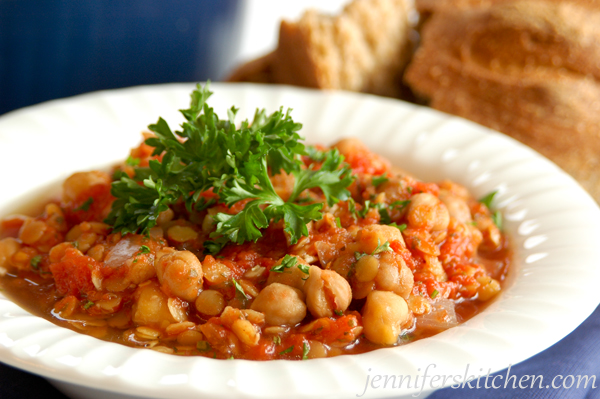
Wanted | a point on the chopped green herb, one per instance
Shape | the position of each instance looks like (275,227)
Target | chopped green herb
(35,261)
(75,244)
(401,227)
(288,350)
(377,180)
(304,268)
(415,242)
(231,358)
(338,312)
(366,208)
(286,263)
(409,189)
(384,215)
(145,249)
(235,162)
(315,154)
(434,294)
(338,223)
(88,305)
(406,337)
(400,205)
(203,346)
(86,205)
(497,219)
(384,211)
(382,247)
(488,199)
(131,161)
(352,208)
(239,289)
(305,350)
(277,340)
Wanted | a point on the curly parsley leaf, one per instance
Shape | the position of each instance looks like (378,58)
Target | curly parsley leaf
(235,162)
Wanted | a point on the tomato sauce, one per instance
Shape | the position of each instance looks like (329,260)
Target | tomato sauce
(397,235)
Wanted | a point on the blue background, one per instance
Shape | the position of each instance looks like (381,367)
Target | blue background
(53,49)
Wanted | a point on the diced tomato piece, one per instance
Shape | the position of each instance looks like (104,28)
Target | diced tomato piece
(73,274)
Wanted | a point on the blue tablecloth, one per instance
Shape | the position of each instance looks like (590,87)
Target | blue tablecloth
(578,354)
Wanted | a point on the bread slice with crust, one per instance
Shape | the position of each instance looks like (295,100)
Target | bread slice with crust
(365,48)
(530,69)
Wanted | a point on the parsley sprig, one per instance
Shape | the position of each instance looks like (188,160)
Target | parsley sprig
(235,162)
(496,215)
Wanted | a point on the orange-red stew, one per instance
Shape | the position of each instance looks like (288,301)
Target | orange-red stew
(402,261)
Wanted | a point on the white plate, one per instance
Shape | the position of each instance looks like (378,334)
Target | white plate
(554,225)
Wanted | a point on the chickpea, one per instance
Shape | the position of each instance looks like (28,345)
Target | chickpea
(181,233)
(8,247)
(374,235)
(189,337)
(488,289)
(457,207)
(293,276)
(394,275)
(79,183)
(165,217)
(244,324)
(366,268)
(281,304)
(181,272)
(215,272)
(210,303)
(490,233)
(32,231)
(360,290)
(55,217)
(151,307)
(96,252)
(317,349)
(326,292)
(178,309)
(428,212)
(246,332)
(383,316)
(346,260)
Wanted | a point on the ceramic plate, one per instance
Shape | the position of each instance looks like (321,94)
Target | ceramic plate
(553,223)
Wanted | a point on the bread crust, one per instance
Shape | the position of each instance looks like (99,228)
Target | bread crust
(256,71)
(365,48)
(430,6)
(529,69)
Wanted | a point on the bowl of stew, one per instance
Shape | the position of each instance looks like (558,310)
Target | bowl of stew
(392,239)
